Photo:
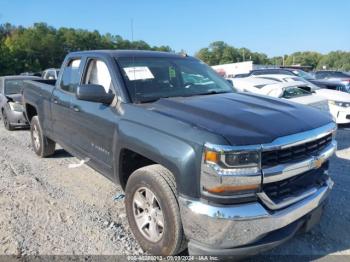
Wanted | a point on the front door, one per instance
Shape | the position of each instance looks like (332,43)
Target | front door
(95,123)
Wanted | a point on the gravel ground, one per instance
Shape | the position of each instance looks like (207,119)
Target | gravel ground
(48,208)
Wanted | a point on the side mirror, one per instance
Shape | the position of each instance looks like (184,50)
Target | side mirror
(94,93)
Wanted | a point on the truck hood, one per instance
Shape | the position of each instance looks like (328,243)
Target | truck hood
(242,118)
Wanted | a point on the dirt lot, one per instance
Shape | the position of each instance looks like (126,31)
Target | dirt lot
(48,208)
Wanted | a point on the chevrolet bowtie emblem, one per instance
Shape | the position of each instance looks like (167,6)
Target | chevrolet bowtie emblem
(317,162)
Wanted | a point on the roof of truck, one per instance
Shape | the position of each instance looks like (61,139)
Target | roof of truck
(129,53)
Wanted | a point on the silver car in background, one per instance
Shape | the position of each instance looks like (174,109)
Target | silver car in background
(11,108)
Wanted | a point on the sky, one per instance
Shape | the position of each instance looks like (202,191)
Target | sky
(269,26)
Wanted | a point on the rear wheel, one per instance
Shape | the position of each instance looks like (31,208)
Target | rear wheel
(153,211)
(6,121)
(42,145)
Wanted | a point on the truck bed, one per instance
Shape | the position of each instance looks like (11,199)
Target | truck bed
(37,93)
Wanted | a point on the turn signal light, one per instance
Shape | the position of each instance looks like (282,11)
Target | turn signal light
(228,189)
(211,156)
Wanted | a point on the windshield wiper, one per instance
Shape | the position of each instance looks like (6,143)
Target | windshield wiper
(214,92)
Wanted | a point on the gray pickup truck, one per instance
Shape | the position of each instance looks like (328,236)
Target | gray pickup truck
(202,166)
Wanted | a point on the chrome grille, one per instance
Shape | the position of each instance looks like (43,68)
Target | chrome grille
(291,187)
(294,153)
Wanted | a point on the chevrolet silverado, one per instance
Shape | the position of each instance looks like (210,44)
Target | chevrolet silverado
(202,166)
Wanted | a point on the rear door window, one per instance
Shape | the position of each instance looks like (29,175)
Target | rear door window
(71,77)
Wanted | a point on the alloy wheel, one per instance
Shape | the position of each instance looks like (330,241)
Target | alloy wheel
(36,137)
(148,214)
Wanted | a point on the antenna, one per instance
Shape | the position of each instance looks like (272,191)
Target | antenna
(132,29)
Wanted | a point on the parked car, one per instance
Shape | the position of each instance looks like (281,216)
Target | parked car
(202,166)
(50,74)
(322,83)
(339,102)
(293,91)
(340,76)
(10,101)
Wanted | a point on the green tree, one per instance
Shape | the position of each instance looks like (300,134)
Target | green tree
(221,53)
(307,58)
(339,60)
(41,46)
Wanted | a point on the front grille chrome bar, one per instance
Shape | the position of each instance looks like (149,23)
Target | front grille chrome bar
(284,171)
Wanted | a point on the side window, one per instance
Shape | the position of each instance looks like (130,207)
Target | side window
(70,77)
(97,73)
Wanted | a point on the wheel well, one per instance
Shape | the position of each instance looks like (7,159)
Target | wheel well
(129,162)
(30,112)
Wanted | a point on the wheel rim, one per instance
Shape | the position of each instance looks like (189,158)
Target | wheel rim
(36,137)
(148,214)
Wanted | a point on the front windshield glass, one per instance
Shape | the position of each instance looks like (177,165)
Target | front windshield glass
(13,87)
(303,74)
(148,78)
(294,91)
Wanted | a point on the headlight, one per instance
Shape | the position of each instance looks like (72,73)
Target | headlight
(16,107)
(341,104)
(230,171)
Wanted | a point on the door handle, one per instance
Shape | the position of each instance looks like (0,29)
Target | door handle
(76,108)
(55,100)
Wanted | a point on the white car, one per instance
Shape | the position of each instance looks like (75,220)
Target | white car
(50,74)
(292,91)
(339,102)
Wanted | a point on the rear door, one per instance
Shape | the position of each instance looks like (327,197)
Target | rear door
(95,124)
(61,100)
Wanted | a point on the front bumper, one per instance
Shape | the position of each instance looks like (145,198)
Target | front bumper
(239,228)
(17,119)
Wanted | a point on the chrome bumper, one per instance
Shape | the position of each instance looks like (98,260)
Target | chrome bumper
(231,226)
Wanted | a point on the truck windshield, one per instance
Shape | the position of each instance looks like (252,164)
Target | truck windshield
(149,79)
(13,87)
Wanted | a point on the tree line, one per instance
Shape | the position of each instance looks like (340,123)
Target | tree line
(40,46)
(221,53)
(36,48)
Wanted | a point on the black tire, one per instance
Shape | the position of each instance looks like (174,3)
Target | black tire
(6,121)
(42,145)
(161,182)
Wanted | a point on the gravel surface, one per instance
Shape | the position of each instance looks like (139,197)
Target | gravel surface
(48,208)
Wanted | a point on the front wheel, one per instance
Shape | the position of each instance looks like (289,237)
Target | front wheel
(42,145)
(153,211)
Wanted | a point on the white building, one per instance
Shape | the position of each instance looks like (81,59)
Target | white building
(230,70)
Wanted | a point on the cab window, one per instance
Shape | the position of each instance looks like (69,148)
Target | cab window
(70,78)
